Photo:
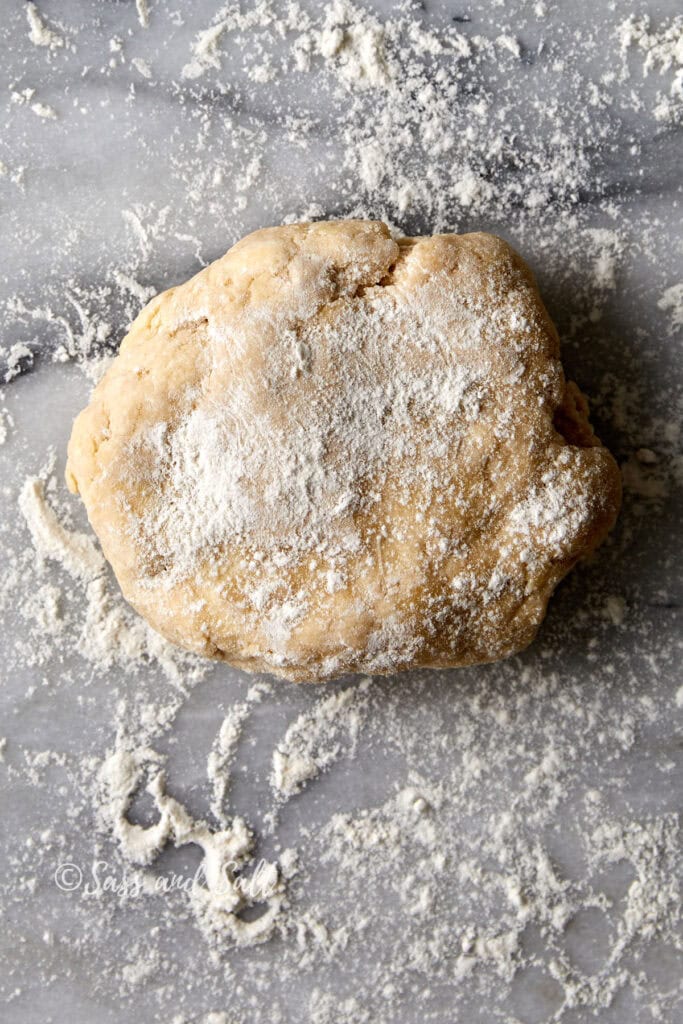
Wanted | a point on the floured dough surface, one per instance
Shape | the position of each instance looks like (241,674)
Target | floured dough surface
(331,452)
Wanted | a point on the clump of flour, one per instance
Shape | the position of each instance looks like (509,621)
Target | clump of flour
(220,891)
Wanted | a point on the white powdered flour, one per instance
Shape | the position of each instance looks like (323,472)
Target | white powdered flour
(502,844)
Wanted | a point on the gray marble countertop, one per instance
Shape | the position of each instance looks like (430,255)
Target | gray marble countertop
(136,148)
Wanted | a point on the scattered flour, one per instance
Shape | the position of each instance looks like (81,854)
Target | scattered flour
(672,302)
(110,633)
(44,110)
(6,423)
(224,748)
(663,49)
(518,833)
(39,33)
(76,552)
(318,738)
(142,7)
(220,891)
(16,358)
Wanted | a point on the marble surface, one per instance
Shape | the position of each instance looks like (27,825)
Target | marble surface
(121,176)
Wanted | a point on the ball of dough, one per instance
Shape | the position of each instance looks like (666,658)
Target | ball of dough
(334,452)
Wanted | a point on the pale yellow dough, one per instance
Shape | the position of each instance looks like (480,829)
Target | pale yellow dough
(333,452)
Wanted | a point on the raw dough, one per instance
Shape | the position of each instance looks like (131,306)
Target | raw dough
(334,452)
